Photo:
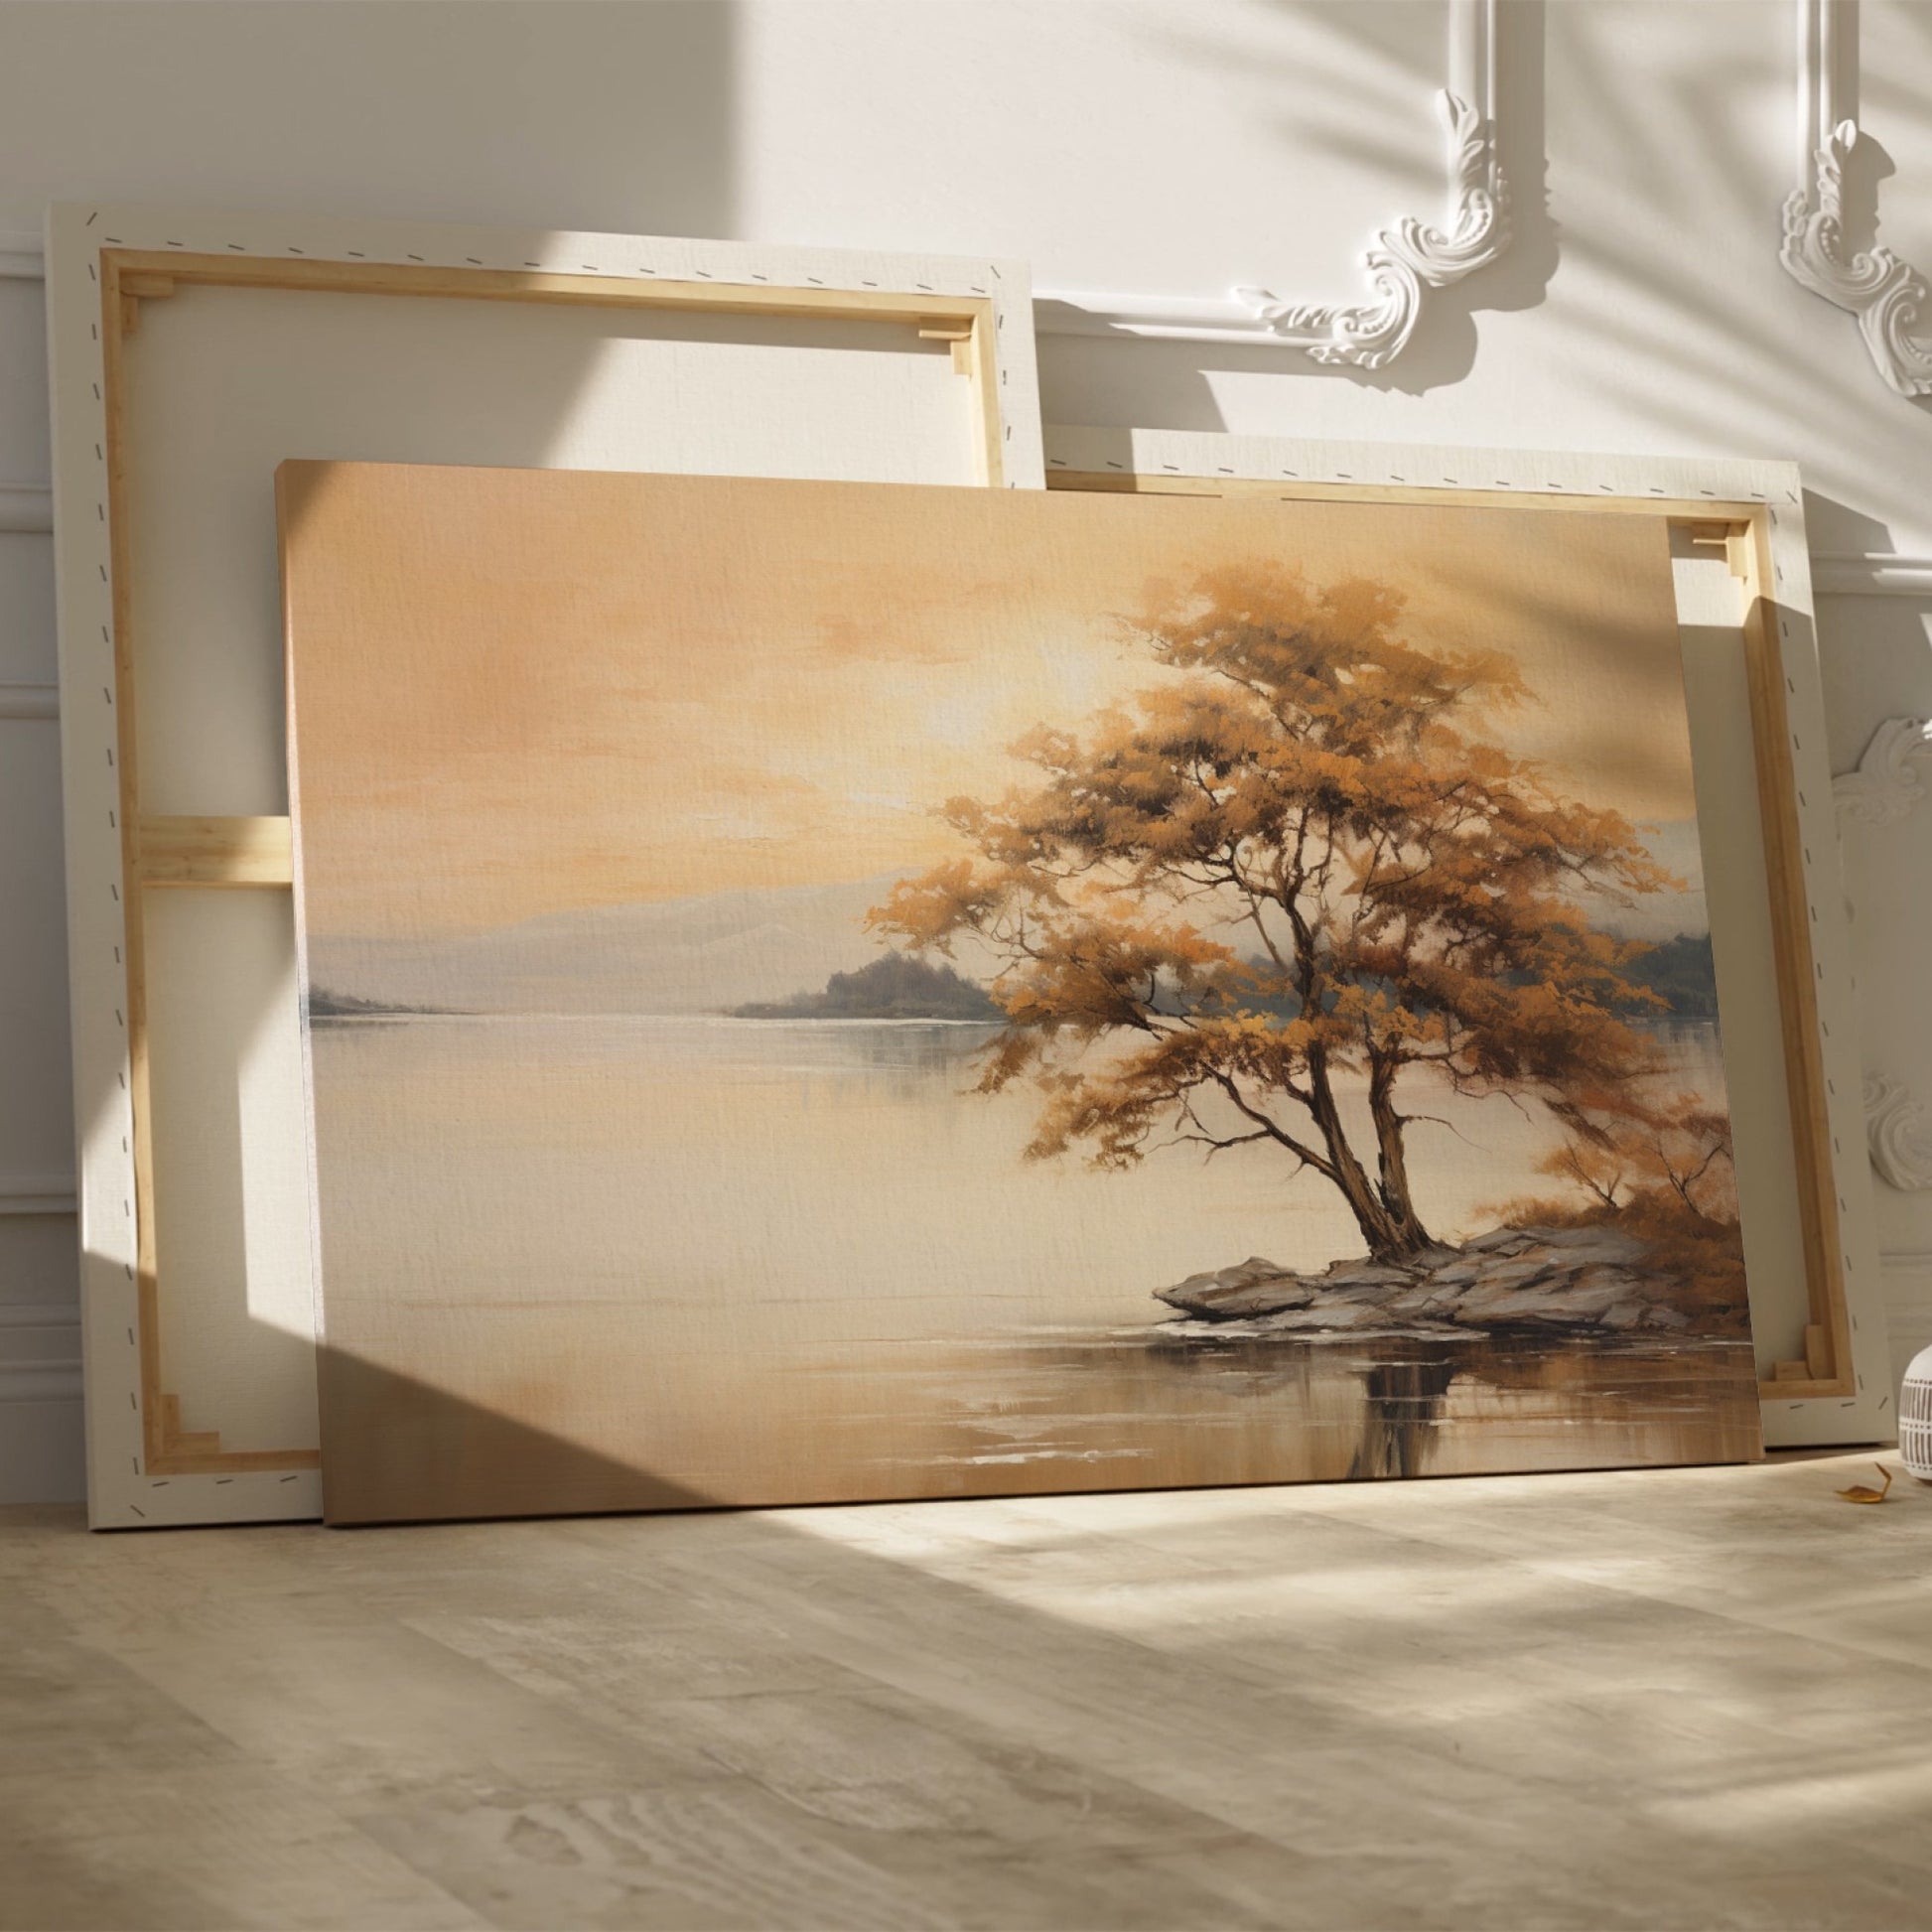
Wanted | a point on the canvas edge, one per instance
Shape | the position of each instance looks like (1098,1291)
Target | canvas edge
(121,1494)
(1867,1414)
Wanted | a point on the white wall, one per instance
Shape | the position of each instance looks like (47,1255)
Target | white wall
(1174,146)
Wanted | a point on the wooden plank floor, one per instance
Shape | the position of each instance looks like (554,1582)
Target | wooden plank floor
(1688,1698)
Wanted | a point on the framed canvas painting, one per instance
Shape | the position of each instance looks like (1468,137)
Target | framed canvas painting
(821,992)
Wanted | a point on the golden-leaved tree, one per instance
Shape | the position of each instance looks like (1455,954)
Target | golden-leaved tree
(1291,861)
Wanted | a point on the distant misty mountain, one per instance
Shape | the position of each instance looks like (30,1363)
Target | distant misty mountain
(722,951)
(1683,972)
(682,955)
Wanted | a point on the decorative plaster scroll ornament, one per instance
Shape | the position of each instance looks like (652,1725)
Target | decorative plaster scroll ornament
(1888,295)
(1409,259)
(1885,786)
(1899,1135)
(1405,261)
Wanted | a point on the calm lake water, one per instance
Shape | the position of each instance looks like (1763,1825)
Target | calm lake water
(798,1260)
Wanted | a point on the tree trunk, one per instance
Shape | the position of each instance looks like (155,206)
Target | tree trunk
(1393,1183)
(1391,1236)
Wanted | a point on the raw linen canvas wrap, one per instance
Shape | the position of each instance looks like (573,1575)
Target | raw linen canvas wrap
(822,991)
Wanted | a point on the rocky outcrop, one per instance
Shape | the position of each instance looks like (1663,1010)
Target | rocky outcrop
(1568,1280)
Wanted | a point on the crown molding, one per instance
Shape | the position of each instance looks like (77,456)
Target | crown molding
(1406,262)
(1886,294)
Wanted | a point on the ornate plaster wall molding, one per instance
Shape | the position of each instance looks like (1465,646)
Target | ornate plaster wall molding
(1406,262)
(1870,573)
(1886,784)
(20,701)
(26,507)
(21,259)
(1898,1132)
(36,1193)
(1884,788)
(39,1352)
(1886,294)
(26,510)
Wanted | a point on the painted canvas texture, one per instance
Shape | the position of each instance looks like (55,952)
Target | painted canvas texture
(817,992)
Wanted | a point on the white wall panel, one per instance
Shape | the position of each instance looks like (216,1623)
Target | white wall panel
(40,1316)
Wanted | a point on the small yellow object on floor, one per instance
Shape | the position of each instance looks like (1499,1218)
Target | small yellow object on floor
(1862,1492)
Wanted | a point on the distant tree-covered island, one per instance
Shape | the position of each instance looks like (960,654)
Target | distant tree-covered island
(895,986)
(1675,974)
(325,1007)
(1681,972)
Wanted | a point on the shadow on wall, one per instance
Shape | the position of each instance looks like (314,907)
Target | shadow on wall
(1689,327)
(385,112)
(1707,337)
(1351,113)
(393,113)
(1444,350)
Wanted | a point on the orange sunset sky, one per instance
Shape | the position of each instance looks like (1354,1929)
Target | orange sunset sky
(517,691)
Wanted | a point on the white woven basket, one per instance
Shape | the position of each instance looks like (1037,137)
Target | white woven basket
(1915,1417)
